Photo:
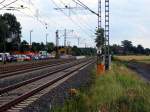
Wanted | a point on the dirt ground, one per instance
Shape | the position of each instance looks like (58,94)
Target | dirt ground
(141,68)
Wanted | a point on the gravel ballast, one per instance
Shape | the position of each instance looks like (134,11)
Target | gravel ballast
(58,95)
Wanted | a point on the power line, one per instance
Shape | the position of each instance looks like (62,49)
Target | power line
(79,19)
(84,6)
(8,4)
(44,23)
(37,18)
(29,15)
(86,25)
(69,17)
(2,2)
(76,23)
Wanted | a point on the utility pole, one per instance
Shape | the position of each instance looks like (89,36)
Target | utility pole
(46,37)
(30,37)
(85,45)
(66,31)
(30,46)
(78,41)
(65,37)
(57,44)
(46,44)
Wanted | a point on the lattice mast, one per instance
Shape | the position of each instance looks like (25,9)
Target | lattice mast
(107,51)
(100,48)
(99,14)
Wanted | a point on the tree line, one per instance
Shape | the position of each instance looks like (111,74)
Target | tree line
(36,47)
(127,48)
(50,47)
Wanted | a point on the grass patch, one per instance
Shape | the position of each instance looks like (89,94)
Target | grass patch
(144,59)
(118,90)
(133,58)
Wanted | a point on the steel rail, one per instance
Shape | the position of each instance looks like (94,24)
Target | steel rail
(23,97)
(31,69)
(17,85)
(26,66)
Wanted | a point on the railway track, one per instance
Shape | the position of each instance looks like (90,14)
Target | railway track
(18,67)
(14,66)
(53,70)
(20,92)
(31,68)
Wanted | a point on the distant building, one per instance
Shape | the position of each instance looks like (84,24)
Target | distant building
(64,50)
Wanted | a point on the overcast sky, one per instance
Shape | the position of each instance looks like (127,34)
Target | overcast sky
(129,19)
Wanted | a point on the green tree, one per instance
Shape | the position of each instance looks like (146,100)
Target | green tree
(24,46)
(127,46)
(36,47)
(13,33)
(115,49)
(140,49)
(50,46)
(3,32)
(76,51)
(100,39)
(147,51)
(42,47)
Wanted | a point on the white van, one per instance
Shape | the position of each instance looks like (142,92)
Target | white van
(4,55)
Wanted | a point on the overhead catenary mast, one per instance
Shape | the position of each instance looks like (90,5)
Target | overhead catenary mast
(103,57)
(99,14)
(100,55)
(107,50)
(106,55)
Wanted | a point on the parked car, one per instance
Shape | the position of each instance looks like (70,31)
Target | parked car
(27,58)
(11,58)
(35,57)
(43,57)
(19,57)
